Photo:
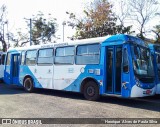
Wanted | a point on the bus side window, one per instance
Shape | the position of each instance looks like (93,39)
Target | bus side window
(3,58)
(31,57)
(125,61)
(8,59)
(0,59)
(23,58)
(45,57)
(64,55)
(88,54)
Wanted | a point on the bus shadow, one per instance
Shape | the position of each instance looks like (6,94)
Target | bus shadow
(146,103)
(58,93)
(10,89)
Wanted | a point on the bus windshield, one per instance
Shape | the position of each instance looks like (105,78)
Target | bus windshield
(142,61)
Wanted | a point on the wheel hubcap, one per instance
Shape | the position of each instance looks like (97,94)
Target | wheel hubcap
(28,85)
(90,91)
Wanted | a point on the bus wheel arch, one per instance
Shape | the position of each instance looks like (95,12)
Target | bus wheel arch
(28,83)
(90,89)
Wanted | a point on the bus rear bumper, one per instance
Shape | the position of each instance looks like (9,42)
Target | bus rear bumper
(139,92)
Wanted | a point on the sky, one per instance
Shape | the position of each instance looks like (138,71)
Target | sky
(20,9)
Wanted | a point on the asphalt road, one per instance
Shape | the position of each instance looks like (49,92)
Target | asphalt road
(16,103)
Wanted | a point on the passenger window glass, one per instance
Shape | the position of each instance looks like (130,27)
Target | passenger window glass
(8,58)
(88,54)
(125,61)
(3,58)
(64,55)
(45,57)
(0,59)
(45,53)
(31,57)
(22,58)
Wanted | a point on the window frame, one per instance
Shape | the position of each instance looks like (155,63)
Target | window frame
(6,62)
(26,57)
(3,59)
(99,53)
(45,64)
(64,56)
(127,60)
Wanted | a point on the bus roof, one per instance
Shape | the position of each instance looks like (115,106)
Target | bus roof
(106,40)
(122,38)
(60,44)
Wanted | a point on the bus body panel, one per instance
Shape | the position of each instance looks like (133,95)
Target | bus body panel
(67,77)
(7,75)
(44,76)
(89,71)
(1,72)
(127,82)
(11,73)
(139,92)
(156,58)
(2,60)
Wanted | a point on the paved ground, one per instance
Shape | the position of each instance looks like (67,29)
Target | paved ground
(16,103)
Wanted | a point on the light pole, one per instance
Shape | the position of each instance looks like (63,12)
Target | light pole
(64,23)
(7,33)
(30,24)
(6,22)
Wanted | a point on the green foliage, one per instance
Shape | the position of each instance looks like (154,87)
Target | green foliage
(43,29)
(99,20)
(157,33)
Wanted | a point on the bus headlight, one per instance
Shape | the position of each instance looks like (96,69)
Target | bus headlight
(138,83)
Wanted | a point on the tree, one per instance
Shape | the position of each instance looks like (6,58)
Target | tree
(43,29)
(122,14)
(156,31)
(3,21)
(141,12)
(99,20)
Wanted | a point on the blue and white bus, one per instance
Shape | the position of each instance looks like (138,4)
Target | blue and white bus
(116,65)
(2,59)
(155,50)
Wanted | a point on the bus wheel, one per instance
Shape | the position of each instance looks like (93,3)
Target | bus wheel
(28,85)
(91,91)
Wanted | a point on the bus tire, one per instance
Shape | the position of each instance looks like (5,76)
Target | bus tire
(91,91)
(28,85)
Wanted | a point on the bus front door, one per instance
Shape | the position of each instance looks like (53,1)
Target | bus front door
(11,72)
(113,69)
(125,73)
